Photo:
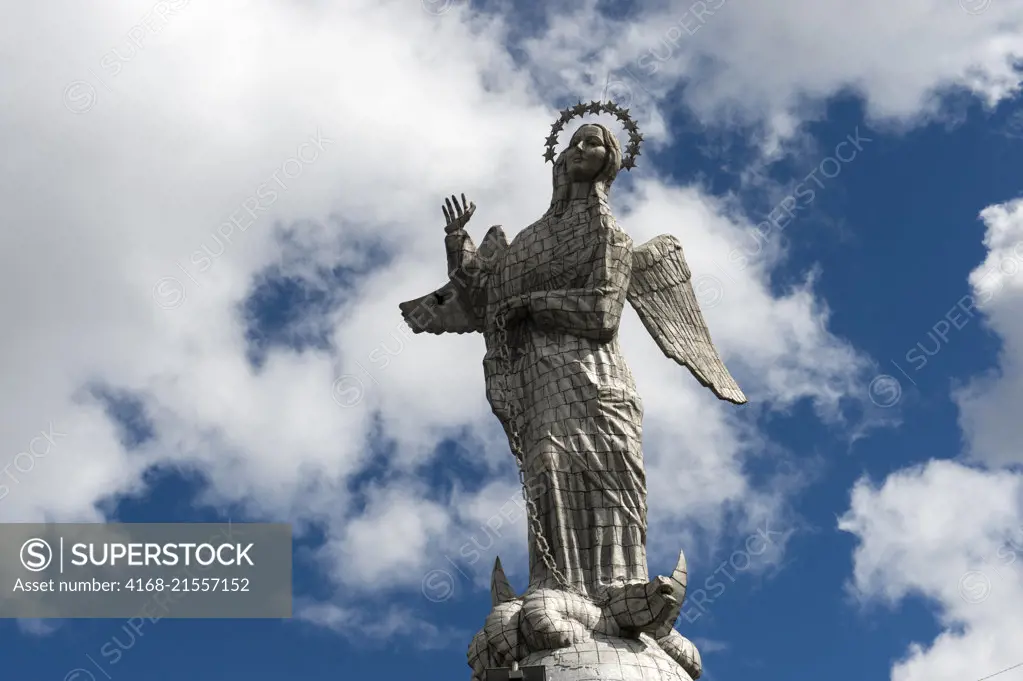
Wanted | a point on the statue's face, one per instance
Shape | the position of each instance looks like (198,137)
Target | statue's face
(586,154)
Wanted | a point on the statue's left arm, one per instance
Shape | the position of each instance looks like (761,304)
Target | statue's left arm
(595,310)
(459,305)
(463,256)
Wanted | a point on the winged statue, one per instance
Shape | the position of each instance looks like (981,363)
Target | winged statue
(549,304)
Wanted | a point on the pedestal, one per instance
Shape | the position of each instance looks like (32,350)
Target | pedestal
(577,638)
(607,658)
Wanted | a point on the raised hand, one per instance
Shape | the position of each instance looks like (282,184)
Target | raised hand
(457,216)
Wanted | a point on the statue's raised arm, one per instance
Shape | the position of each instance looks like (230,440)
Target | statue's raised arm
(459,306)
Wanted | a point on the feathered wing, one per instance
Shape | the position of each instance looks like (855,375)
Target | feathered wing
(458,306)
(661,291)
(439,312)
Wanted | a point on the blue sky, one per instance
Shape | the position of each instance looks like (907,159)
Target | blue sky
(876,332)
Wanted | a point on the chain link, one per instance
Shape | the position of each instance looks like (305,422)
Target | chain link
(515,441)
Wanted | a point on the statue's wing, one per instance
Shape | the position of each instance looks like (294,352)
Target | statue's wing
(662,293)
(458,306)
(439,312)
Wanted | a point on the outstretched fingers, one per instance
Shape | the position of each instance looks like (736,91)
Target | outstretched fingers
(455,213)
(457,209)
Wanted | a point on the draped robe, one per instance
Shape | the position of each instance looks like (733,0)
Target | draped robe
(580,416)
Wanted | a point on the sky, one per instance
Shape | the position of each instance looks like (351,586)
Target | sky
(212,211)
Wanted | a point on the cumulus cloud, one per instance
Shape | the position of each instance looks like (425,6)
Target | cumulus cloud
(161,161)
(769,66)
(989,406)
(954,535)
(953,532)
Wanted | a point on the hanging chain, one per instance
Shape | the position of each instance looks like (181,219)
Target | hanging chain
(515,440)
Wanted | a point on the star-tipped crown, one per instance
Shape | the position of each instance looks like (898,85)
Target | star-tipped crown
(595,107)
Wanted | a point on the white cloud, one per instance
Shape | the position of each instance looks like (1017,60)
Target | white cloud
(380,626)
(953,533)
(35,627)
(775,63)
(989,406)
(199,121)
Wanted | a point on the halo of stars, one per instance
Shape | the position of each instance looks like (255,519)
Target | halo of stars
(580,109)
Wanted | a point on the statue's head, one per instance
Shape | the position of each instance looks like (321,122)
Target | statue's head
(594,157)
(593,154)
